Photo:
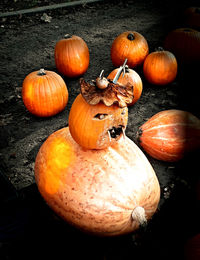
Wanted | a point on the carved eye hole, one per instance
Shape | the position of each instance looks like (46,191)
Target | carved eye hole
(100,116)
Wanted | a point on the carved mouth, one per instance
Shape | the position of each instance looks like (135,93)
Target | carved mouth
(115,132)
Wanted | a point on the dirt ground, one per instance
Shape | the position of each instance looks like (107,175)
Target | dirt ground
(27,44)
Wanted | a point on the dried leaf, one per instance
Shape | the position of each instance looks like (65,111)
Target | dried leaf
(113,94)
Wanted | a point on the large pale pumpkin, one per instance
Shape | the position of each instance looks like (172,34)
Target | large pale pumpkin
(96,126)
(106,192)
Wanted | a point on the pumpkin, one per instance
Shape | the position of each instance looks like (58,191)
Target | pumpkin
(160,67)
(96,126)
(44,93)
(184,43)
(72,56)
(132,77)
(192,17)
(105,192)
(170,134)
(129,45)
(192,248)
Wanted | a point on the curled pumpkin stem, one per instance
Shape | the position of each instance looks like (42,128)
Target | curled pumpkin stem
(138,214)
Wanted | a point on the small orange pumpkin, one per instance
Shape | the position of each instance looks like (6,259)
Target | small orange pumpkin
(44,93)
(72,56)
(184,43)
(160,67)
(132,77)
(170,134)
(192,17)
(96,126)
(129,45)
(105,192)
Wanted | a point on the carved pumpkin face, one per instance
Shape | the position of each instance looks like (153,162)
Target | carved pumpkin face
(96,126)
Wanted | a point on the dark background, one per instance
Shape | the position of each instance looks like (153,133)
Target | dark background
(28,228)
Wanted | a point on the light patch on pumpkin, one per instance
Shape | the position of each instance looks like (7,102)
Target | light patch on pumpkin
(29,91)
(59,158)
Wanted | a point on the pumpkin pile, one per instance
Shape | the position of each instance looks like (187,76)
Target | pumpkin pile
(90,173)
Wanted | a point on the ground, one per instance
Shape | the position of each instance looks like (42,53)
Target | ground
(27,44)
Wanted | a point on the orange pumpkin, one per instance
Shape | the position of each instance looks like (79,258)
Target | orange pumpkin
(105,192)
(160,67)
(170,134)
(129,45)
(96,126)
(184,43)
(72,56)
(133,78)
(192,17)
(44,93)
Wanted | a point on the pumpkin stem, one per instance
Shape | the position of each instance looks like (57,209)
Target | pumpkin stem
(120,70)
(41,72)
(101,74)
(127,70)
(159,49)
(67,36)
(187,30)
(131,36)
(138,214)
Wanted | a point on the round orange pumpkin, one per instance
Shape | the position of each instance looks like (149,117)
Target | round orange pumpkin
(105,192)
(133,78)
(170,134)
(96,126)
(160,67)
(129,45)
(184,43)
(44,93)
(72,56)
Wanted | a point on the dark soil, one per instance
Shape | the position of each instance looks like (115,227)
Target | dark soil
(28,228)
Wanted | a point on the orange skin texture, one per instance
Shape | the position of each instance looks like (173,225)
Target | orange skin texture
(133,78)
(160,67)
(44,95)
(90,132)
(72,56)
(184,43)
(134,50)
(170,134)
(96,190)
